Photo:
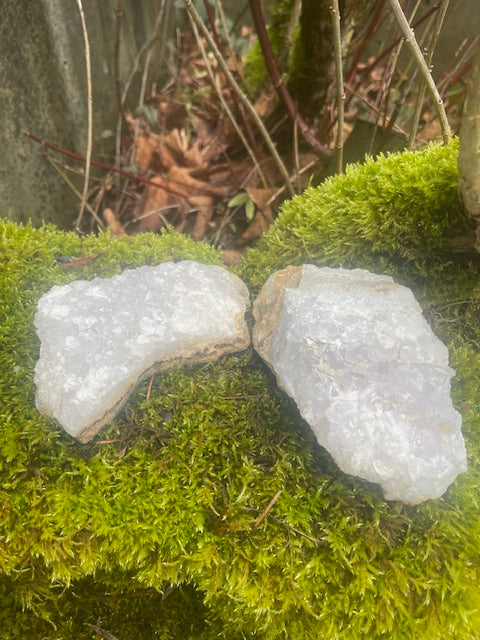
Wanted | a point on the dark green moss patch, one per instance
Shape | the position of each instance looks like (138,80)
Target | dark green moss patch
(151,526)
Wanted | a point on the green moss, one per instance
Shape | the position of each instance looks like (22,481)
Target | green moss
(255,70)
(151,526)
(397,210)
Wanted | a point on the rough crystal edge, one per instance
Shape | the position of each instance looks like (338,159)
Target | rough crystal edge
(203,356)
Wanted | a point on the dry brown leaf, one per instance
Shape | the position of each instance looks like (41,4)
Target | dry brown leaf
(146,145)
(181,177)
(232,257)
(265,103)
(178,148)
(261,197)
(263,219)
(150,215)
(212,138)
(204,206)
(113,223)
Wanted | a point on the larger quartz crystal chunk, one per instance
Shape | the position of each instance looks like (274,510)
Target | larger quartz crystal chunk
(368,375)
(99,338)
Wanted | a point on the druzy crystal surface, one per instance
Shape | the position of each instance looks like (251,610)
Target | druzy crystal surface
(99,338)
(367,373)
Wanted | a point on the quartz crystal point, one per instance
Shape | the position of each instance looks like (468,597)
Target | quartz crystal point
(367,373)
(99,338)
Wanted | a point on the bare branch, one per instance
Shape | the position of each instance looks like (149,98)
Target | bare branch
(431,48)
(89,114)
(337,43)
(277,79)
(245,101)
(423,67)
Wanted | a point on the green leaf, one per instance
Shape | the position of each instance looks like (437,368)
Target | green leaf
(239,199)
(249,210)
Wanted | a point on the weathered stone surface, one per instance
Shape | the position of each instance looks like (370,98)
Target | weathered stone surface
(368,375)
(100,337)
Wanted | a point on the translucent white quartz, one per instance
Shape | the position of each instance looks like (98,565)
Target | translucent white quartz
(99,338)
(368,375)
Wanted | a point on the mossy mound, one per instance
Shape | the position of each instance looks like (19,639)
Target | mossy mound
(153,526)
(396,212)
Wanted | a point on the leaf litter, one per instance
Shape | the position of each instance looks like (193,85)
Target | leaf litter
(185,143)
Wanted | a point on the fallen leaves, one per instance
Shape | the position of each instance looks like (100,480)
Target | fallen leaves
(197,174)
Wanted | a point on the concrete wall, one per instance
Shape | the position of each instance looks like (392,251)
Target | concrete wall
(43,90)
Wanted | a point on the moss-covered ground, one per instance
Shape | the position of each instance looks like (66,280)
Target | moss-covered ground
(151,526)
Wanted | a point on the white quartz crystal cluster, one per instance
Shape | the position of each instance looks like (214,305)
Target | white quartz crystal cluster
(367,374)
(351,348)
(100,337)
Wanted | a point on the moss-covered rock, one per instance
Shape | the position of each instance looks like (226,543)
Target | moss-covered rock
(398,211)
(153,526)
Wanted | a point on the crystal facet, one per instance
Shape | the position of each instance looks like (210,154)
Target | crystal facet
(367,373)
(100,337)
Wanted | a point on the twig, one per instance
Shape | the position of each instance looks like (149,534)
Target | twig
(233,83)
(372,25)
(252,143)
(226,108)
(89,114)
(149,390)
(118,29)
(390,48)
(460,63)
(211,20)
(421,92)
(383,95)
(148,58)
(267,508)
(423,68)
(337,44)
(289,527)
(277,79)
(456,303)
(75,190)
(80,262)
(228,40)
(101,632)
(102,165)
(292,23)
(389,122)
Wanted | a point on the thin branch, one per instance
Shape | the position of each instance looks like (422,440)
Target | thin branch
(228,39)
(277,79)
(244,122)
(423,67)
(89,114)
(103,633)
(458,66)
(267,508)
(440,17)
(233,83)
(371,27)
(102,165)
(225,106)
(118,30)
(64,177)
(211,20)
(148,58)
(292,23)
(337,44)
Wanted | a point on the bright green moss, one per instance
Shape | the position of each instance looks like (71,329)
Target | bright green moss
(395,210)
(255,70)
(165,499)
